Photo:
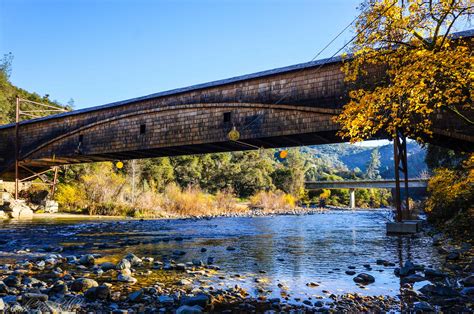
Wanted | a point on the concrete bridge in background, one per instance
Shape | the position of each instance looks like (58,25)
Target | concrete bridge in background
(352,185)
(290,106)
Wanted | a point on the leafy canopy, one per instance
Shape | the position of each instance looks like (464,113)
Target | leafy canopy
(419,71)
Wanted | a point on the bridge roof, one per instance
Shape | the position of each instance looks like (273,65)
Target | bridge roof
(291,68)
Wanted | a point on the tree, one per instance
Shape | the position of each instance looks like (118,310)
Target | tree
(373,165)
(157,173)
(424,72)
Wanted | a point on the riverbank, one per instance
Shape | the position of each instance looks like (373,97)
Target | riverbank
(249,213)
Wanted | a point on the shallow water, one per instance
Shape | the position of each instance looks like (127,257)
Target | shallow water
(292,250)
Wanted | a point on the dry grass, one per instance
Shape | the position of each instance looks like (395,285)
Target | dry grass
(273,201)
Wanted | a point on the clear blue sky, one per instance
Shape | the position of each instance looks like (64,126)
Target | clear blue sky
(101,51)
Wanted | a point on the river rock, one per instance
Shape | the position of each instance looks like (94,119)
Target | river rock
(412,278)
(83,284)
(230,248)
(318,304)
(185,309)
(133,259)
(12,281)
(350,272)
(469,291)
(166,299)
(59,287)
(184,282)
(107,266)
(3,287)
(364,278)
(178,253)
(468,281)
(453,256)
(136,296)
(201,300)
(87,260)
(128,279)
(422,306)
(197,262)
(101,292)
(32,297)
(434,273)
(124,264)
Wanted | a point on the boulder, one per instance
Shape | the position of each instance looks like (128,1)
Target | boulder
(17,209)
(364,278)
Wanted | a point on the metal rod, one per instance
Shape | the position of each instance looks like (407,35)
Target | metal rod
(36,175)
(55,181)
(41,104)
(30,115)
(17,145)
(42,110)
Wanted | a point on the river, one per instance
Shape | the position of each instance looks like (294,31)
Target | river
(271,253)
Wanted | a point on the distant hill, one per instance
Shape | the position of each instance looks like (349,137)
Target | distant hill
(352,157)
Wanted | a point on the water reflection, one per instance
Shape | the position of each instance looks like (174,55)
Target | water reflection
(290,250)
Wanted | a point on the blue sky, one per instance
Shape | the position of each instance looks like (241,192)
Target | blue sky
(102,51)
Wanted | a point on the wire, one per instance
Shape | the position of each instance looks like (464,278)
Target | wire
(346,44)
(333,55)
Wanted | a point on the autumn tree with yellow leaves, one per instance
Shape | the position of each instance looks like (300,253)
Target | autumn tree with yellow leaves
(419,69)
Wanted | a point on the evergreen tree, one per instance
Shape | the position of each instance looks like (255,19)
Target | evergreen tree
(373,166)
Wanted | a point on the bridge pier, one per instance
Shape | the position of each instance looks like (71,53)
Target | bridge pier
(352,198)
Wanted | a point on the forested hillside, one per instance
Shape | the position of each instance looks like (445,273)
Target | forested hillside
(356,158)
(9,92)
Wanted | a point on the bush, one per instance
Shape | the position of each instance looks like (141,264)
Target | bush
(273,201)
(451,192)
(190,201)
(70,197)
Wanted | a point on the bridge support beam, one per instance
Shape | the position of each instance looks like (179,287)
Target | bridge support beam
(352,198)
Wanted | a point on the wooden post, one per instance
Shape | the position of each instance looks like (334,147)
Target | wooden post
(398,204)
(400,157)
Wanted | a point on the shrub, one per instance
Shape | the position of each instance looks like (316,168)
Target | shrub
(70,197)
(273,201)
(190,201)
(451,192)
(225,202)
